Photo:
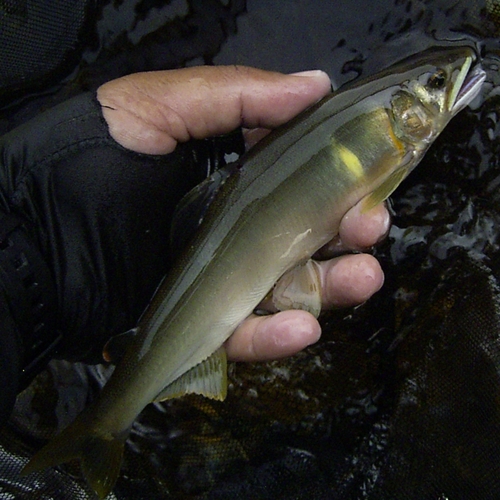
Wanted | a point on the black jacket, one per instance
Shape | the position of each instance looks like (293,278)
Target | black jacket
(84,236)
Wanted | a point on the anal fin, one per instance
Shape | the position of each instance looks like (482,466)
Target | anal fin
(208,378)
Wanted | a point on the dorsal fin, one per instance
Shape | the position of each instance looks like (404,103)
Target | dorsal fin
(192,208)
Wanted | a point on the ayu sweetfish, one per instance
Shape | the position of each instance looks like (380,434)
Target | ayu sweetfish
(281,204)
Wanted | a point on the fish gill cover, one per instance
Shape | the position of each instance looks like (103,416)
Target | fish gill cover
(399,399)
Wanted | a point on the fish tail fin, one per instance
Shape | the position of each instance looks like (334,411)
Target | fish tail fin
(100,455)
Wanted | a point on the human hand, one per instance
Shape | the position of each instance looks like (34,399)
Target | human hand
(152,112)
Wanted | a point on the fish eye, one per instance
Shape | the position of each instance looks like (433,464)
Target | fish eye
(437,80)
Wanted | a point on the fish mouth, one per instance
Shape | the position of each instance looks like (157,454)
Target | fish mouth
(466,88)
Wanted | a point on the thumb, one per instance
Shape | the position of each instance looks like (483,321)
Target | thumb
(151,112)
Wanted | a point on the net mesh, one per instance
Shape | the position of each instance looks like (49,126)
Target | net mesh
(39,39)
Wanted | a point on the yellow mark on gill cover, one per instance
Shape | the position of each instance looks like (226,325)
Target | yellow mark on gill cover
(351,161)
(396,142)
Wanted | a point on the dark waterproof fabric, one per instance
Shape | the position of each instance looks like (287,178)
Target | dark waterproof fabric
(101,214)
(398,400)
(99,217)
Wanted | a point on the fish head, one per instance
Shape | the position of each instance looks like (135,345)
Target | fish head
(424,94)
(441,83)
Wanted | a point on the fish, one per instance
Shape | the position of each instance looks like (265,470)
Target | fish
(283,201)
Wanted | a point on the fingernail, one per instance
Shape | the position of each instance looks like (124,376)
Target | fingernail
(311,73)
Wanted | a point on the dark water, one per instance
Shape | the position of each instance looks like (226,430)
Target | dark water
(399,399)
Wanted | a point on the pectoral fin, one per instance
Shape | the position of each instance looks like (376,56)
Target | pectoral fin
(385,189)
(208,378)
(300,288)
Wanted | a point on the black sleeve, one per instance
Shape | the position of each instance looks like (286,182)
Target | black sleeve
(94,219)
